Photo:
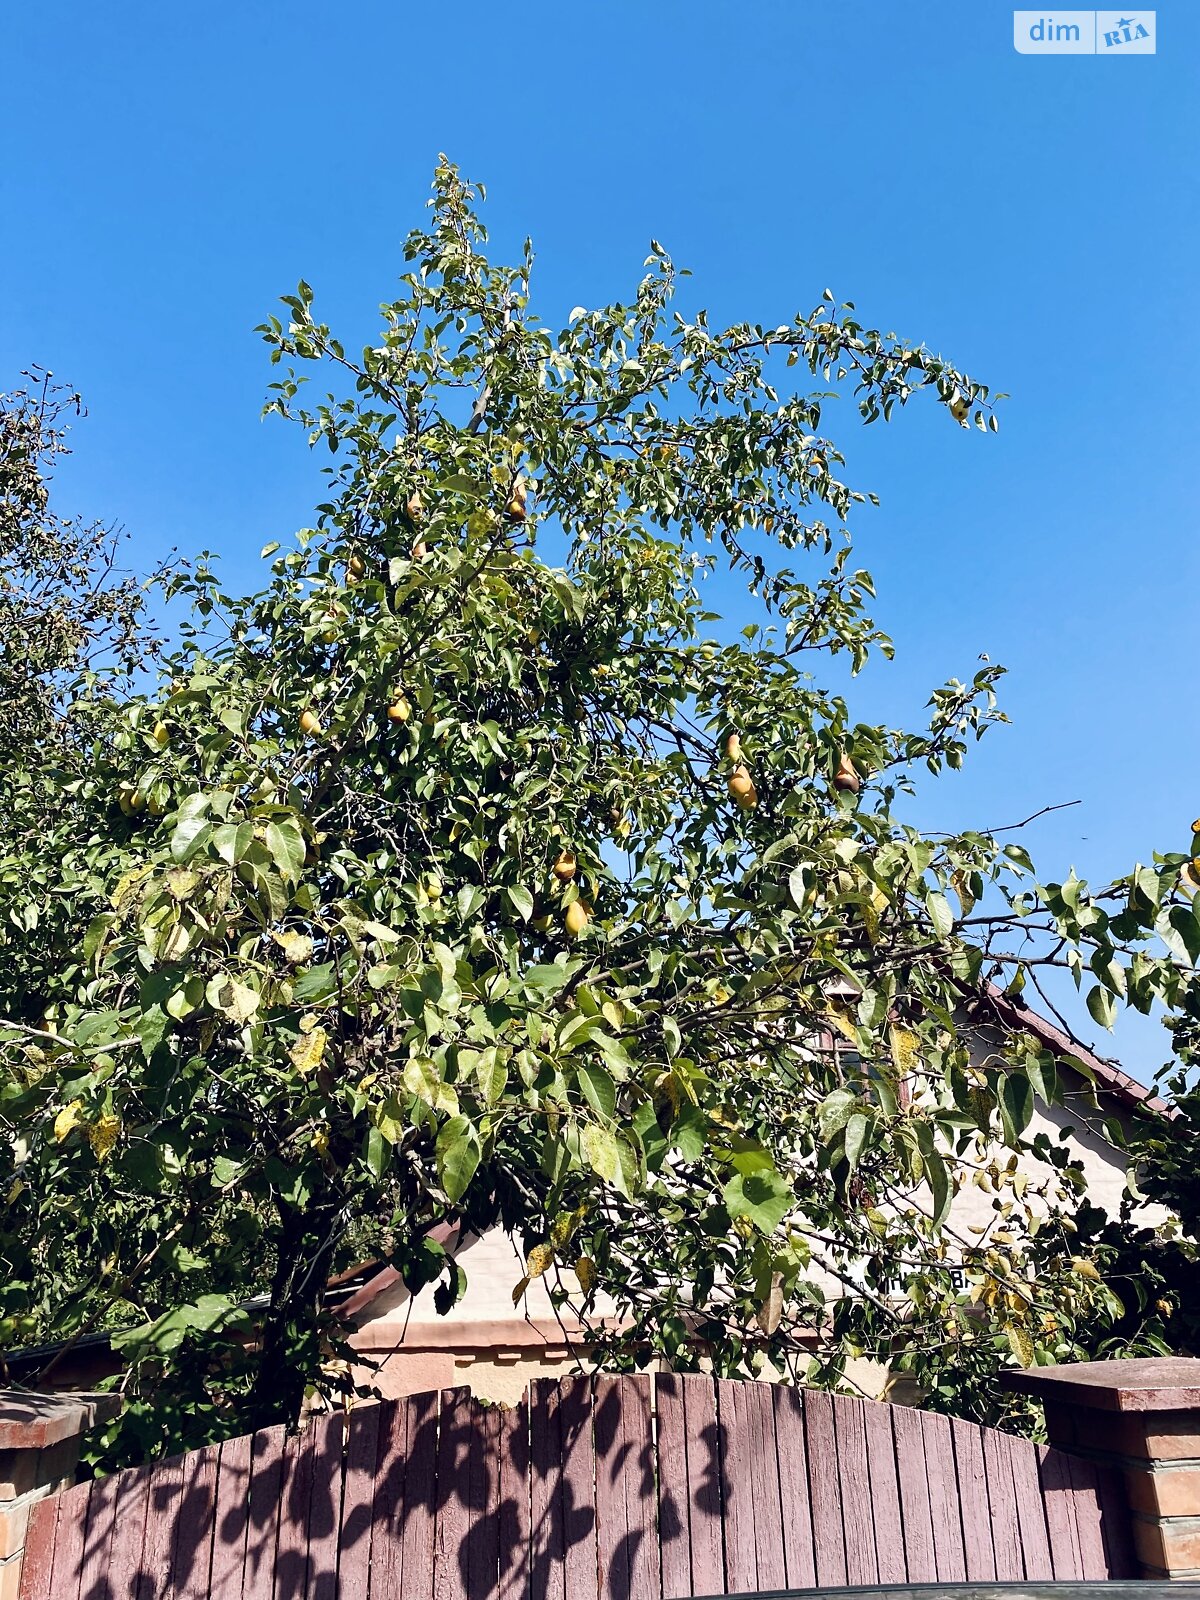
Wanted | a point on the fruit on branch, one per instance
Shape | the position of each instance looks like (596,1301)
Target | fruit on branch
(310,723)
(564,866)
(741,788)
(399,710)
(846,778)
(579,914)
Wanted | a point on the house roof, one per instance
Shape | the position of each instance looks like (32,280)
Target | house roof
(1109,1078)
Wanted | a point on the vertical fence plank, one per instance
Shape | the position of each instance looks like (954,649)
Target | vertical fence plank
(612,1531)
(291,1550)
(828,1539)
(575,1407)
(858,1523)
(1057,1499)
(547,1555)
(795,1506)
(324,1515)
(418,1506)
(513,1509)
(738,1488)
(885,1492)
(162,1511)
(978,1554)
(231,1519)
(129,1533)
(453,1478)
(1086,1497)
(69,1541)
(1002,1498)
(637,1472)
(706,1526)
(481,1557)
(385,1537)
(37,1564)
(944,1509)
(915,1512)
(262,1528)
(1031,1510)
(354,1533)
(675,1563)
(97,1539)
(764,1466)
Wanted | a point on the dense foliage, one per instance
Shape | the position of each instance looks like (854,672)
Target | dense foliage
(471,870)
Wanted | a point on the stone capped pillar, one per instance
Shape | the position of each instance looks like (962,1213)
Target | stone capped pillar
(1142,1417)
(40,1436)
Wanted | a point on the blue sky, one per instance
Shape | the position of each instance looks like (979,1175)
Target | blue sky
(171,170)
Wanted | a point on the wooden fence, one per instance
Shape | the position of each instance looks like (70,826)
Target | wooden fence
(609,1487)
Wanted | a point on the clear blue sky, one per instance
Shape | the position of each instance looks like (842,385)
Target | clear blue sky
(170,170)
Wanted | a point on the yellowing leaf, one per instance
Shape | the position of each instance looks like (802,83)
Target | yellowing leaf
(842,1021)
(67,1119)
(905,1051)
(422,1078)
(539,1260)
(297,947)
(1084,1268)
(181,882)
(770,1313)
(585,1271)
(103,1134)
(305,1055)
(1021,1344)
(234,1000)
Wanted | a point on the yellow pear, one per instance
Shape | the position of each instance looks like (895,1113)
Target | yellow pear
(432,885)
(564,866)
(399,710)
(355,568)
(420,550)
(577,918)
(515,509)
(415,506)
(846,778)
(161,735)
(741,788)
(960,408)
(543,924)
(310,723)
(733,747)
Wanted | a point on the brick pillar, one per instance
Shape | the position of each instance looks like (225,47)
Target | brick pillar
(1142,1417)
(40,1436)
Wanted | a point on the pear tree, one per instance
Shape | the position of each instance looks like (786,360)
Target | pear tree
(474,870)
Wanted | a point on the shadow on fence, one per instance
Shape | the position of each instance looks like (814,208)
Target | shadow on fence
(583,1491)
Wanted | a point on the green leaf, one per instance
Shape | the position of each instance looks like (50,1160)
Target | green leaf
(457,1155)
(1102,1006)
(857,1128)
(599,1090)
(521,901)
(940,913)
(834,1112)
(763,1197)
(601,1152)
(286,845)
(1016,1105)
